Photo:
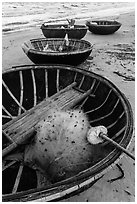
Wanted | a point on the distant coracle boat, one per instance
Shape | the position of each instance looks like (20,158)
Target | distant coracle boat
(54,50)
(103,27)
(60,30)
(29,91)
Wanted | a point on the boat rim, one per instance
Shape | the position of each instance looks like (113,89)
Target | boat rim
(31,49)
(45,27)
(109,25)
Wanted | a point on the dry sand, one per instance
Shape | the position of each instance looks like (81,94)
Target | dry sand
(113,56)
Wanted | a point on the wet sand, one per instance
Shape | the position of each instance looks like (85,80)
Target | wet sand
(113,57)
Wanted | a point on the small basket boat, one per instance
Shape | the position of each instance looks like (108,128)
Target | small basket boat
(29,88)
(103,27)
(74,54)
(60,30)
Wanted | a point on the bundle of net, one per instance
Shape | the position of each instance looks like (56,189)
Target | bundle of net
(64,144)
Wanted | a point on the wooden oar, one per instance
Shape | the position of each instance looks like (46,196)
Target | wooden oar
(118,146)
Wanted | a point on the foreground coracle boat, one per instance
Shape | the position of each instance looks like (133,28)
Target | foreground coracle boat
(60,30)
(27,92)
(75,53)
(103,27)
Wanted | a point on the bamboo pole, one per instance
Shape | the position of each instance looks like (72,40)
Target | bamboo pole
(97,108)
(34,87)
(46,83)
(21,91)
(107,115)
(115,136)
(75,76)
(8,165)
(7,136)
(6,116)
(9,149)
(82,80)
(18,179)
(12,96)
(115,122)
(57,80)
(18,142)
(7,112)
(118,146)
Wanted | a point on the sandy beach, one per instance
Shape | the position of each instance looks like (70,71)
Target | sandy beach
(113,57)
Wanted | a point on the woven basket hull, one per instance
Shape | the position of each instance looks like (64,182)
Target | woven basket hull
(78,52)
(102,29)
(75,59)
(55,31)
(109,107)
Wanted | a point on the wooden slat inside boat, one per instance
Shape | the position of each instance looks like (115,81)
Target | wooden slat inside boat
(103,27)
(29,92)
(60,30)
(75,53)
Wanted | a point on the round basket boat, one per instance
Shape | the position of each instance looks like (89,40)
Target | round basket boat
(60,30)
(103,27)
(74,54)
(29,88)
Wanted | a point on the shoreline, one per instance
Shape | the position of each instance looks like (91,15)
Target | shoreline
(16,16)
(78,21)
(113,57)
